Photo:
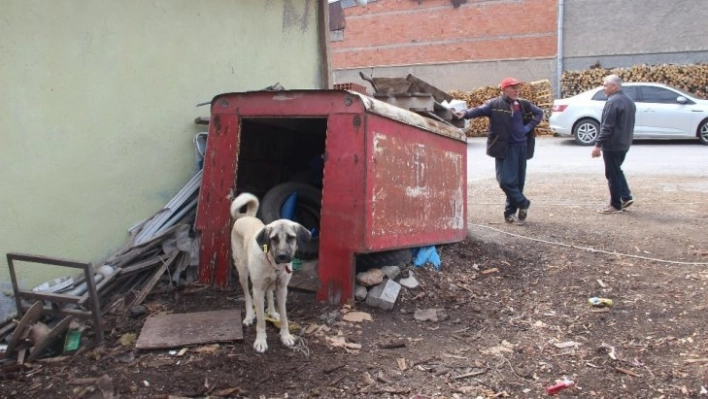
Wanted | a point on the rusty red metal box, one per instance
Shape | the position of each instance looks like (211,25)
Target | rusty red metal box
(391,178)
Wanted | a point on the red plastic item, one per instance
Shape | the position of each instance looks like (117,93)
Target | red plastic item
(554,389)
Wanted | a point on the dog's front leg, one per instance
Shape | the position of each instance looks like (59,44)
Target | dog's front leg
(261,344)
(270,311)
(281,294)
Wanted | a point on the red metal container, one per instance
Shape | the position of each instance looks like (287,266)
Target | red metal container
(392,179)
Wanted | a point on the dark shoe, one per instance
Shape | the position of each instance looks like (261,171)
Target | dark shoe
(609,210)
(509,218)
(626,204)
(523,212)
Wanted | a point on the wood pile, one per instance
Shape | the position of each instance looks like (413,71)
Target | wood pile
(538,92)
(691,78)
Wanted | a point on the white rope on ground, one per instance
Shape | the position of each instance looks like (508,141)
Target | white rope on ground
(589,249)
(595,203)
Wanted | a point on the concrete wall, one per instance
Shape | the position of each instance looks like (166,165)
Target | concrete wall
(630,32)
(463,76)
(98,102)
(476,44)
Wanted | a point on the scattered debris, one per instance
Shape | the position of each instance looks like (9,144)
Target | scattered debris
(600,302)
(433,315)
(610,350)
(628,372)
(409,282)
(357,317)
(393,344)
(554,389)
(471,374)
(504,347)
(341,342)
(567,344)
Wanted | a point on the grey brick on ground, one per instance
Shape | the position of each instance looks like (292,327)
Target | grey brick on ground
(384,295)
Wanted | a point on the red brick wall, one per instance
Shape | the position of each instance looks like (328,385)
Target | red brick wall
(404,32)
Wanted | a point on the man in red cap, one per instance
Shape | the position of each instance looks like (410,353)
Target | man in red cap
(510,141)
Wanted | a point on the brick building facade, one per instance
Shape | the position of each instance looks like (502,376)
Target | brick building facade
(461,45)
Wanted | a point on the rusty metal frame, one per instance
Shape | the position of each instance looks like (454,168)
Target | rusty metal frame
(91,296)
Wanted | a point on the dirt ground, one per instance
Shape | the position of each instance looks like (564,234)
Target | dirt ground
(514,316)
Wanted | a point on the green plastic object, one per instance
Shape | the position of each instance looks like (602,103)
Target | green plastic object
(72,340)
(297,264)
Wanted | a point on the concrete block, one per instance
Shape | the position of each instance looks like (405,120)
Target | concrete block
(384,295)
(360,293)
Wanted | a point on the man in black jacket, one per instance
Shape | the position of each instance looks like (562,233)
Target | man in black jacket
(511,141)
(614,140)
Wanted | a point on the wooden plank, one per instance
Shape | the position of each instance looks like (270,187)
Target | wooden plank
(31,316)
(45,296)
(175,330)
(141,265)
(153,280)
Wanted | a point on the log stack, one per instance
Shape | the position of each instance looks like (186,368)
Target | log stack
(538,92)
(691,78)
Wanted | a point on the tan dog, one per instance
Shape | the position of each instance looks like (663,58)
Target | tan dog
(265,253)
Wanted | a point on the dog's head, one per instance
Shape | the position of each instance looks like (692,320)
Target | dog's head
(282,238)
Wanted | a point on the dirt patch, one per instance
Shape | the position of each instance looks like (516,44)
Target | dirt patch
(517,320)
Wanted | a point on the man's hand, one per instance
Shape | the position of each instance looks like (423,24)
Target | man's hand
(595,152)
(458,114)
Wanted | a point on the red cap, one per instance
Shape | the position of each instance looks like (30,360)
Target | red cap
(510,82)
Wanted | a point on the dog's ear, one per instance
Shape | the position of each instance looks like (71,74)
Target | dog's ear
(262,236)
(303,235)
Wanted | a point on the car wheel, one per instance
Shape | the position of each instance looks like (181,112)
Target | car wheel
(374,260)
(586,131)
(703,132)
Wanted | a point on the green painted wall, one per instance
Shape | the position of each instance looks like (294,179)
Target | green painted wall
(97,104)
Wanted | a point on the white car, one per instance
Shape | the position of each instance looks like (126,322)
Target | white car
(663,112)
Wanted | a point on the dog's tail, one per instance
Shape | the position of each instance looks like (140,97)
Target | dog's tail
(249,201)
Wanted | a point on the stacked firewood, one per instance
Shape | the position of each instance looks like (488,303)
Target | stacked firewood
(538,92)
(691,78)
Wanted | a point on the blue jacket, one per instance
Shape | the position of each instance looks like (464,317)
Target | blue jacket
(502,129)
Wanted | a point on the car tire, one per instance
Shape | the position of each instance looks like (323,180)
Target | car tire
(703,132)
(586,131)
(375,260)
(307,211)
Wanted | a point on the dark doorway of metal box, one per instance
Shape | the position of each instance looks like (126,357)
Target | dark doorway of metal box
(280,160)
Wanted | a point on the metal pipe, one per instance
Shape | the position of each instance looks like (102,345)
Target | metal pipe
(559,55)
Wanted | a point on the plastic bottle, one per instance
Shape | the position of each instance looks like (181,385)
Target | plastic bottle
(554,389)
(600,302)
